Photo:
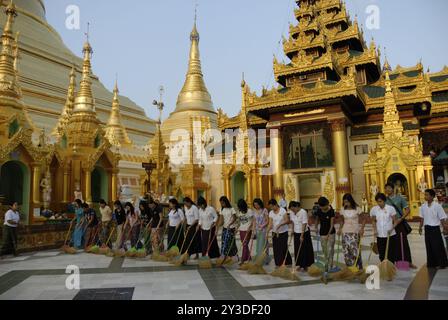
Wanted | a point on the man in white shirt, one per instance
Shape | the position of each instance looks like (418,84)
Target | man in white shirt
(12,218)
(432,217)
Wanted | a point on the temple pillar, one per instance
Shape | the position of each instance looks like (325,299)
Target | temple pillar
(260,185)
(270,186)
(249,186)
(412,184)
(114,185)
(381,179)
(429,178)
(227,186)
(277,159)
(340,152)
(36,184)
(367,186)
(88,185)
(65,185)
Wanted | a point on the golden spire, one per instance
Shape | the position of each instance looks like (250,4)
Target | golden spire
(392,123)
(67,111)
(8,77)
(84,101)
(115,131)
(194,94)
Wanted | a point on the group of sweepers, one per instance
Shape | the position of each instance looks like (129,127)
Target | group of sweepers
(192,233)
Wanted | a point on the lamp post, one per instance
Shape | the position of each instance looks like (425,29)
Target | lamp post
(149,167)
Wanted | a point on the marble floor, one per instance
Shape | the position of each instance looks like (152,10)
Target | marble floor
(42,276)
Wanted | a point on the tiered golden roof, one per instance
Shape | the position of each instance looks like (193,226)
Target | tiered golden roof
(67,111)
(115,132)
(84,126)
(330,59)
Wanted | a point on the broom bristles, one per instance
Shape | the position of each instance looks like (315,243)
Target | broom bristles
(344,274)
(245,266)
(182,260)
(315,271)
(261,259)
(172,252)
(70,250)
(205,263)
(280,272)
(256,269)
(387,270)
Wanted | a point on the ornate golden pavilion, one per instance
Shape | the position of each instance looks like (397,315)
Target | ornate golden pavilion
(329,106)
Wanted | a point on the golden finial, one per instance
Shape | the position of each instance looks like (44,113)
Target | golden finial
(386,66)
(243,82)
(68,107)
(115,131)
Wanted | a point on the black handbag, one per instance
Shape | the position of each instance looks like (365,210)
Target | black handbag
(405,225)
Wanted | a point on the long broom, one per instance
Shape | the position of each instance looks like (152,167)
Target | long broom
(292,275)
(387,268)
(157,255)
(283,270)
(226,260)
(247,264)
(363,273)
(181,247)
(174,250)
(88,248)
(316,269)
(184,257)
(121,252)
(336,268)
(132,252)
(65,248)
(348,273)
(105,246)
(205,262)
(257,266)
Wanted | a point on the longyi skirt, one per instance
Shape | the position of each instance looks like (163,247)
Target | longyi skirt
(210,243)
(280,246)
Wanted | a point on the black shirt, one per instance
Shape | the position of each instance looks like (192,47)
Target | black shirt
(120,216)
(146,216)
(325,221)
(89,215)
(155,216)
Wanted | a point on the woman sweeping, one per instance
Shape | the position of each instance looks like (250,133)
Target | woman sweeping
(325,216)
(176,219)
(278,224)
(261,221)
(156,217)
(78,233)
(246,223)
(133,224)
(350,231)
(92,225)
(302,237)
(193,238)
(208,218)
(119,217)
(384,221)
(432,216)
(228,245)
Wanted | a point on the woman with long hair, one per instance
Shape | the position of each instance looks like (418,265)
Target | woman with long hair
(78,233)
(303,245)
(228,245)
(261,222)
(193,239)
(176,220)
(157,230)
(278,224)
(246,224)
(208,218)
(133,223)
(351,231)
(119,217)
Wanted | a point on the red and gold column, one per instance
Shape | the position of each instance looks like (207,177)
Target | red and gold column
(340,153)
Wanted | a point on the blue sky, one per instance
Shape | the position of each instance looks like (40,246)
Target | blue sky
(147,41)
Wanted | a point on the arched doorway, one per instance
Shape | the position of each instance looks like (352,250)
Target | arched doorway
(238,183)
(15,185)
(401,184)
(100,185)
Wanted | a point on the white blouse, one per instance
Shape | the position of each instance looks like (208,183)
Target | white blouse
(245,220)
(432,214)
(228,214)
(11,216)
(384,220)
(175,217)
(192,214)
(299,219)
(351,220)
(207,217)
(277,219)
